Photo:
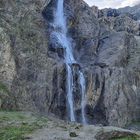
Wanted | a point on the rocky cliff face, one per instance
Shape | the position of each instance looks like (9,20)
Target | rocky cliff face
(107,48)
(117,55)
(23,59)
(135,11)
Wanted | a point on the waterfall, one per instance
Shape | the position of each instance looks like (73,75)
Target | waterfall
(60,34)
(83,91)
(70,91)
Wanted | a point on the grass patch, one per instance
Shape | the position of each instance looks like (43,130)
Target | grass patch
(15,125)
(6,116)
(135,123)
(126,138)
(15,132)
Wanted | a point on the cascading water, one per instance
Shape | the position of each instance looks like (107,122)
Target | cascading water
(70,91)
(83,91)
(60,34)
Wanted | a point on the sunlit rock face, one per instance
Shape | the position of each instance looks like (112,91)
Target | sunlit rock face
(106,49)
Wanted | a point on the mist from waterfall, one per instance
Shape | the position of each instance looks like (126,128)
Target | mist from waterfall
(60,34)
